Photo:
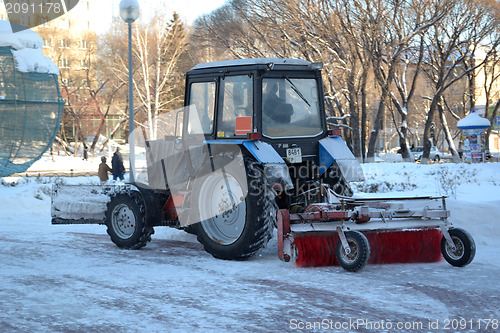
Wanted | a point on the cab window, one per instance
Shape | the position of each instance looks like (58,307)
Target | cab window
(290,108)
(201,108)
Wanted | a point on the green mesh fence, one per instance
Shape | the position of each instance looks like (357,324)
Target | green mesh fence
(30,114)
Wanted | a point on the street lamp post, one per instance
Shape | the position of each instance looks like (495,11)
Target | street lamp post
(129,12)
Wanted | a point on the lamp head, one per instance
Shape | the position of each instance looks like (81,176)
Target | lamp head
(129,10)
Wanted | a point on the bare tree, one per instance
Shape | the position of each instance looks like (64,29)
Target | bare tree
(359,42)
(388,29)
(490,86)
(159,45)
(308,29)
(450,44)
(406,93)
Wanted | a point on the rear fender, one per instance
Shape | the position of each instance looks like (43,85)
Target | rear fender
(275,168)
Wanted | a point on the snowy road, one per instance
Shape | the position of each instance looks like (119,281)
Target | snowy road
(73,279)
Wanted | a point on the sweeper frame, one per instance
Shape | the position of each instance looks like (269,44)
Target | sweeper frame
(344,229)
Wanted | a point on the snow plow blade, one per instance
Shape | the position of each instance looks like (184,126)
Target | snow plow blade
(80,204)
(352,232)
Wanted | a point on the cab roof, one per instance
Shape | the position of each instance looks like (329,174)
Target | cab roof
(254,62)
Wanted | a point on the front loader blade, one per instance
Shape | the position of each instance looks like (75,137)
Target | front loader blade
(80,204)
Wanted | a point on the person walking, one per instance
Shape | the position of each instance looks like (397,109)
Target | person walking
(85,152)
(103,171)
(117,165)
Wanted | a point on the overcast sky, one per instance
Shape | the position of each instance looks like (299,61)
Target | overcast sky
(189,10)
(104,10)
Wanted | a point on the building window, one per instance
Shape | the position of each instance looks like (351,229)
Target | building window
(64,43)
(82,44)
(84,64)
(47,42)
(64,63)
(66,82)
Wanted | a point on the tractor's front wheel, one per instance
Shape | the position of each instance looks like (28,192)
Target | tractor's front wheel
(234,208)
(125,219)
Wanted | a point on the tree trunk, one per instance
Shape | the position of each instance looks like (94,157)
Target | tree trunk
(492,121)
(377,126)
(364,116)
(98,133)
(354,119)
(113,132)
(427,129)
(403,140)
(77,142)
(448,136)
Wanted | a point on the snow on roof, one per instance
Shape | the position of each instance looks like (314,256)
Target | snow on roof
(19,40)
(27,50)
(33,61)
(473,120)
(256,61)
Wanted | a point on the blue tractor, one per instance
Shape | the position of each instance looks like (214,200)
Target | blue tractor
(252,139)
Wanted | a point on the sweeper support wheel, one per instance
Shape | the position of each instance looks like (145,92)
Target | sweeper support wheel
(463,249)
(352,250)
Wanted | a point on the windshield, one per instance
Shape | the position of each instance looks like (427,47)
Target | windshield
(290,108)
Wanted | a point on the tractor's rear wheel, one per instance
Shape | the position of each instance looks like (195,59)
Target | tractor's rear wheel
(234,208)
(125,219)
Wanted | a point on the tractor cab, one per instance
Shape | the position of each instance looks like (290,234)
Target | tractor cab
(277,100)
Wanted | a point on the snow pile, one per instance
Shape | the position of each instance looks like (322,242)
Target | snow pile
(473,191)
(27,50)
(471,182)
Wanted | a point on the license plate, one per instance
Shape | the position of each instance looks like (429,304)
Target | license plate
(294,155)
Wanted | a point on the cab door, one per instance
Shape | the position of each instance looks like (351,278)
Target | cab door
(200,120)
(236,107)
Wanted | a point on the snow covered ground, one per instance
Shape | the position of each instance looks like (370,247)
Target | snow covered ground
(73,279)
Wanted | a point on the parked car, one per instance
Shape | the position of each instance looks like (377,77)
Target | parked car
(434,155)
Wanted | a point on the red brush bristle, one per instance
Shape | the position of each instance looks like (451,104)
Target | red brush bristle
(405,246)
(385,248)
(314,251)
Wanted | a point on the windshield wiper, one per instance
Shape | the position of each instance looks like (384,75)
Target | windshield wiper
(297,91)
